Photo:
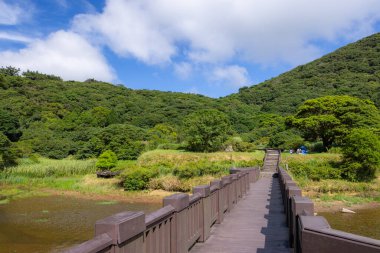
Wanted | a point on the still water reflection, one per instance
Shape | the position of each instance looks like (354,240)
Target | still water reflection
(45,224)
(365,222)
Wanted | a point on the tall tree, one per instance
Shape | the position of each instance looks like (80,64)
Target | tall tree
(332,117)
(8,154)
(206,130)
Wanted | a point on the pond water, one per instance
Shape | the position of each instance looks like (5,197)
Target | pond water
(365,222)
(45,224)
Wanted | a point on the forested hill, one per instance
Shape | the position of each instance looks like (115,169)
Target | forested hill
(351,70)
(46,97)
(56,118)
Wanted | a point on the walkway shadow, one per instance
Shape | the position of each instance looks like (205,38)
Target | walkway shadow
(276,232)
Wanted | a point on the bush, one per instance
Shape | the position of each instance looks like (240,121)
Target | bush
(314,170)
(187,172)
(170,146)
(239,145)
(107,160)
(167,183)
(316,173)
(138,178)
(361,155)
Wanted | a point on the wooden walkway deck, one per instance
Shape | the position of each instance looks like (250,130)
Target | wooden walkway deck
(256,224)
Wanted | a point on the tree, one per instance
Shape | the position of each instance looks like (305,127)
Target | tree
(206,130)
(330,118)
(286,140)
(9,71)
(35,75)
(107,160)
(361,155)
(9,125)
(162,134)
(8,154)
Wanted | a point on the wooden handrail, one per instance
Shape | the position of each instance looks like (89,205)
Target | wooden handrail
(183,220)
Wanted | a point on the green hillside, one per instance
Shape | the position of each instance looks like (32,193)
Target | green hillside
(55,118)
(58,118)
(351,70)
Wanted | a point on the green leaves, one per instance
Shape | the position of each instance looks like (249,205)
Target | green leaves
(206,130)
(107,160)
(330,118)
(361,155)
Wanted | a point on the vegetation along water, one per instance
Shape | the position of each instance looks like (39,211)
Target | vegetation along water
(55,136)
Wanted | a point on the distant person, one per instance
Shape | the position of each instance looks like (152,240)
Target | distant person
(291,151)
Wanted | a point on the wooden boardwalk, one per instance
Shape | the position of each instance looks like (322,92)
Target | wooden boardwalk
(256,224)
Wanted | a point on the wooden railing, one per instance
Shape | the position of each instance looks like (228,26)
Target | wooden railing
(313,234)
(182,221)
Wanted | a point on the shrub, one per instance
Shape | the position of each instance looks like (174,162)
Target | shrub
(167,183)
(239,145)
(361,155)
(187,172)
(106,160)
(138,178)
(315,172)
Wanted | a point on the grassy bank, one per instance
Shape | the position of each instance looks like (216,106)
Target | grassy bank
(41,176)
(318,177)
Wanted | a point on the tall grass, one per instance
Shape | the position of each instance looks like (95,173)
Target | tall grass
(175,158)
(179,170)
(51,168)
(319,179)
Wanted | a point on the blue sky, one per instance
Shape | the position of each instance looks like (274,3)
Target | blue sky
(209,47)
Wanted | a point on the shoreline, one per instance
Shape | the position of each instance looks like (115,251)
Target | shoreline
(336,206)
(10,192)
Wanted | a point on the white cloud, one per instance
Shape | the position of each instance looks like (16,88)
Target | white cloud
(232,75)
(264,32)
(127,28)
(10,14)
(63,53)
(15,37)
(183,69)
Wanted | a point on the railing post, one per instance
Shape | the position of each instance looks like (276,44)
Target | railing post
(227,191)
(241,185)
(300,205)
(235,179)
(126,230)
(246,176)
(206,219)
(218,183)
(290,191)
(285,197)
(180,202)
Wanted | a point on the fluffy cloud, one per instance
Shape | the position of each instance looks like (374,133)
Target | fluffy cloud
(63,53)
(127,28)
(230,75)
(10,14)
(214,32)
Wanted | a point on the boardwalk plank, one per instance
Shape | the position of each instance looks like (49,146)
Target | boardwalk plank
(256,224)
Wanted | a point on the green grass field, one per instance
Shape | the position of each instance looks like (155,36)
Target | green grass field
(32,175)
(327,191)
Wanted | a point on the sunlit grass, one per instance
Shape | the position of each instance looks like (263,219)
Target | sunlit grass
(45,167)
(327,191)
(176,157)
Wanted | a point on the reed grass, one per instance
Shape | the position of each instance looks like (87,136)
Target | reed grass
(45,167)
